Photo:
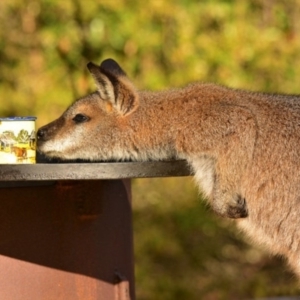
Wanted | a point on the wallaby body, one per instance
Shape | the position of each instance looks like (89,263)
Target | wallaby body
(242,146)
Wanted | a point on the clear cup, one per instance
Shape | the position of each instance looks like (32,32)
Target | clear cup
(17,140)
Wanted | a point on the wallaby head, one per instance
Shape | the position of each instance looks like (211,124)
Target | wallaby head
(101,117)
(242,146)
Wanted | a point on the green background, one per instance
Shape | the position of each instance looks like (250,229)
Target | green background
(182,250)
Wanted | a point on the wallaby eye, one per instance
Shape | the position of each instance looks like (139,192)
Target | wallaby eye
(80,118)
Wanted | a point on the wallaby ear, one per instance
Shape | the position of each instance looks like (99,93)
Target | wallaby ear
(114,86)
(103,83)
(112,66)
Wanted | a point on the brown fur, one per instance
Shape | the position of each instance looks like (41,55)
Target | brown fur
(242,146)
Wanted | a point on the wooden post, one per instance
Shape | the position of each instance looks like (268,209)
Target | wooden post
(66,240)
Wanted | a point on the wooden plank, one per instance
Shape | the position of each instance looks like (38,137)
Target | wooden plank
(99,170)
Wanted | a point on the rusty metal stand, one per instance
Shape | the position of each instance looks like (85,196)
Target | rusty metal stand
(66,240)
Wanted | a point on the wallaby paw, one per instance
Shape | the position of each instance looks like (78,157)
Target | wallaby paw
(238,210)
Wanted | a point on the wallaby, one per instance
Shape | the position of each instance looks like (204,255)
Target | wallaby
(241,145)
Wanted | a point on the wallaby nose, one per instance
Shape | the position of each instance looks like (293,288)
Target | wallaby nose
(41,134)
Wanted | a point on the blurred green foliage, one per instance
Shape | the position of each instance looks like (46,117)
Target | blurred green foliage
(182,251)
